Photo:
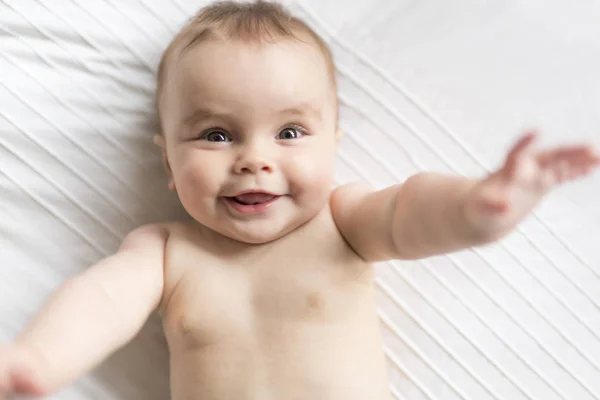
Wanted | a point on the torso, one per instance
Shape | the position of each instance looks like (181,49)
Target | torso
(291,319)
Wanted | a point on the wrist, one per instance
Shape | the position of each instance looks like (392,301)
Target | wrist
(466,214)
(475,226)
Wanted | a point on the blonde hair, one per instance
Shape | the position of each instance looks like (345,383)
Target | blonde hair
(248,21)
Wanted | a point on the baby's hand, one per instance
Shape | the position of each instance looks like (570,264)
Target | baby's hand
(16,373)
(500,201)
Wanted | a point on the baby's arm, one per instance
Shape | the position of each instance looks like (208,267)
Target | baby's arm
(88,317)
(435,213)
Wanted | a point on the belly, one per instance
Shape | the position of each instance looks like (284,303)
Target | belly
(286,359)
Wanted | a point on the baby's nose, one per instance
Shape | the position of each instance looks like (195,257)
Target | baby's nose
(253,163)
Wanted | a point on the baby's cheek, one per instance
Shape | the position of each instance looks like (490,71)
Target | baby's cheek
(198,179)
(313,175)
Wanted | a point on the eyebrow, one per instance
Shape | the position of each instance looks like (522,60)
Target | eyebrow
(303,109)
(201,113)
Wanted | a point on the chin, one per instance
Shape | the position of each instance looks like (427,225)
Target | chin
(255,239)
(258,235)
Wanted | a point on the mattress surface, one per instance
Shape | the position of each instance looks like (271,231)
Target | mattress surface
(425,85)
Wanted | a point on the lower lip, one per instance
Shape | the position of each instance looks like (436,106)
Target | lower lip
(250,208)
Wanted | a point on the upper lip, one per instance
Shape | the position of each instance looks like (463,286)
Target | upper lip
(254,191)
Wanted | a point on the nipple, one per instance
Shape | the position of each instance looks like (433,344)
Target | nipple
(315,301)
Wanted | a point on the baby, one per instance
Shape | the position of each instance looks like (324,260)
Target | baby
(267,292)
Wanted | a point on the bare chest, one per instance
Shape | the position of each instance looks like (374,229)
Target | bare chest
(260,290)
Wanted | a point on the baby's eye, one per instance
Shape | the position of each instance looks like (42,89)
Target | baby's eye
(290,133)
(216,136)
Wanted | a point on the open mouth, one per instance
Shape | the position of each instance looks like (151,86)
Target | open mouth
(252,202)
(249,199)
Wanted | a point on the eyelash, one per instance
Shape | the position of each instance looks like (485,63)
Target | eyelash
(204,136)
(297,127)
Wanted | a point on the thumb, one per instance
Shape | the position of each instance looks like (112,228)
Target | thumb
(523,146)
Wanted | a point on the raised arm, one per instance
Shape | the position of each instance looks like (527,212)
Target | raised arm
(87,318)
(432,214)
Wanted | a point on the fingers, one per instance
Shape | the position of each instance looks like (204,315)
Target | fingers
(575,155)
(564,171)
(563,163)
(568,163)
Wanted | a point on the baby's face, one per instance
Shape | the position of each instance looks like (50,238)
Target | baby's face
(242,117)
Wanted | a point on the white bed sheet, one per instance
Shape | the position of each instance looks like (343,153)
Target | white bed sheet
(424,85)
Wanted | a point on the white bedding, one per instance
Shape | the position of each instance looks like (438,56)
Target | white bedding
(424,85)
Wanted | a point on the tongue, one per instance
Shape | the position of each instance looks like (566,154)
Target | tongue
(253,198)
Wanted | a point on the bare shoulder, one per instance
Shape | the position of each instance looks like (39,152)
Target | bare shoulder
(149,245)
(147,237)
(363,215)
(150,234)
(152,241)
(345,201)
(346,195)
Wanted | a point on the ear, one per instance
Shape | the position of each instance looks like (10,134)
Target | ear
(159,140)
(338,134)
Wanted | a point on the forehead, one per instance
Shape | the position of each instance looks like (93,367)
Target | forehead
(236,73)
